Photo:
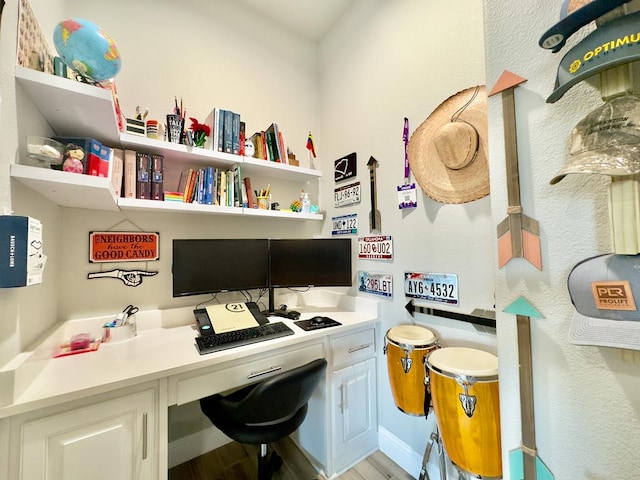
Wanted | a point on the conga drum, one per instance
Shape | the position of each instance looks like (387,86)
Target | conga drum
(406,347)
(464,391)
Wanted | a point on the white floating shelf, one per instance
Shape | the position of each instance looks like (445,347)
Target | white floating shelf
(263,168)
(71,108)
(68,189)
(176,207)
(176,150)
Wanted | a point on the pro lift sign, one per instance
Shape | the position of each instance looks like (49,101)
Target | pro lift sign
(110,247)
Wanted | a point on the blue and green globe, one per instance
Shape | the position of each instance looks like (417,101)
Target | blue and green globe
(87,49)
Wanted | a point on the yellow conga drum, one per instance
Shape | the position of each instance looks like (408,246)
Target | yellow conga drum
(464,392)
(406,347)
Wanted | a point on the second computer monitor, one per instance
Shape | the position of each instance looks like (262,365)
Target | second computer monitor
(318,262)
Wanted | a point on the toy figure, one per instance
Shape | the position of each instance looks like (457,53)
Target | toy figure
(72,160)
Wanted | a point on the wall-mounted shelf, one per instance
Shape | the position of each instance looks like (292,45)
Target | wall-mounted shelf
(71,108)
(76,109)
(68,189)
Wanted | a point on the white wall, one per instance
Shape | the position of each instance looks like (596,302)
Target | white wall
(384,61)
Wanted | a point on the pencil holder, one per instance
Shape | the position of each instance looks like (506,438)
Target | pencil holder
(175,125)
(119,334)
(263,203)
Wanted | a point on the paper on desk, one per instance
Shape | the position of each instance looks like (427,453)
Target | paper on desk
(230,316)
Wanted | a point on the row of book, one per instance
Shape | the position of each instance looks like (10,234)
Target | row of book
(270,145)
(214,186)
(138,174)
(228,134)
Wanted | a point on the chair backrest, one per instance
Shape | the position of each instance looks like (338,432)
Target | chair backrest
(282,395)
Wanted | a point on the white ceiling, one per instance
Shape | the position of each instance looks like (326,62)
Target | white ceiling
(310,18)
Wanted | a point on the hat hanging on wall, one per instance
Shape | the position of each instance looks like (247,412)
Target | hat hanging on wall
(448,152)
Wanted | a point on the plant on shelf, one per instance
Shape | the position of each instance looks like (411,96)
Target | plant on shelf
(200,132)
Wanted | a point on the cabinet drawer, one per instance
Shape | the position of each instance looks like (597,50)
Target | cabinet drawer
(352,348)
(192,386)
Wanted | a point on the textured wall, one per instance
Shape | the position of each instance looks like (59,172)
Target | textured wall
(587,399)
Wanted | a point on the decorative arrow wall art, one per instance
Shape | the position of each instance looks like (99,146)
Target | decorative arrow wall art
(375,221)
(518,235)
(524,463)
(485,318)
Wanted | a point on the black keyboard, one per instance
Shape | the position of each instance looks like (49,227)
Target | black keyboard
(246,336)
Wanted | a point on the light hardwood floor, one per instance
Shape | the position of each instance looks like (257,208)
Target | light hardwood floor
(239,462)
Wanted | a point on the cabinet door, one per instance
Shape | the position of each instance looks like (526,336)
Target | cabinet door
(110,440)
(354,413)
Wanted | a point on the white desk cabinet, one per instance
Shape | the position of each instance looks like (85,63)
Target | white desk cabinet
(353,398)
(112,439)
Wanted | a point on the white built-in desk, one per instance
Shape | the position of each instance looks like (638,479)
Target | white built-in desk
(74,409)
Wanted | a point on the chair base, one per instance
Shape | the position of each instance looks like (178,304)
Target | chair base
(268,463)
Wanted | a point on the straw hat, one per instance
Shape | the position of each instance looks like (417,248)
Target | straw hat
(448,152)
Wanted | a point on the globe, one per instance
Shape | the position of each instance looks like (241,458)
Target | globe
(87,49)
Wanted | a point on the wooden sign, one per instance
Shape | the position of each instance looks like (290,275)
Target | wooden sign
(345,167)
(107,247)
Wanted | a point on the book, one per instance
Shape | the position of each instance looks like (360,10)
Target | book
(209,186)
(157,176)
(243,137)
(228,131)
(273,142)
(117,171)
(183,182)
(251,201)
(223,188)
(213,121)
(237,178)
(271,151)
(220,129)
(235,133)
(129,174)
(283,148)
(143,176)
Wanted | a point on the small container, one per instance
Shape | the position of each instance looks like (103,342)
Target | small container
(306,203)
(264,203)
(45,151)
(119,333)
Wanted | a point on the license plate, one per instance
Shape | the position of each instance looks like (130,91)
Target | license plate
(347,195)
(380,247)
(376,283)
(435,287)
(345,225)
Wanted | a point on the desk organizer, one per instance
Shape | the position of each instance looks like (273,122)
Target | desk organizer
(120,333)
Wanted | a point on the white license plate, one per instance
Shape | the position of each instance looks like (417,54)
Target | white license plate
(380,247)
(435,287)
(376,283)
(345,225)
(347,195)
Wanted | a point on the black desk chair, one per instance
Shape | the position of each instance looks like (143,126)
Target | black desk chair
(267,411)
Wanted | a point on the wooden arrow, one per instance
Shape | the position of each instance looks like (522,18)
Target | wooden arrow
(485,318)
(524,463)
(375,221)
(518,235)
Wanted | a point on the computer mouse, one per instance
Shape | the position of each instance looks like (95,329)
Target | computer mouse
(317,320)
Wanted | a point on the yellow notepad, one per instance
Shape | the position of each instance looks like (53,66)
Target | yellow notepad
(231,316)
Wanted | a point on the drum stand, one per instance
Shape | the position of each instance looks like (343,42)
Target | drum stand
(434,438)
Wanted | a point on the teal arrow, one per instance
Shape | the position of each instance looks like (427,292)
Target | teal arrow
(524,463)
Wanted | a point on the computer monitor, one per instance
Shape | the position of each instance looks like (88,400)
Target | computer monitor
(202,266)
(310,262)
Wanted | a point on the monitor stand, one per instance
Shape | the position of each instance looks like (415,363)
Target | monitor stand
(280,312)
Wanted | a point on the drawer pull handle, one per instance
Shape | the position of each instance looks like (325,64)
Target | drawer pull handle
(361,347)
(264,372)
(144,436)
